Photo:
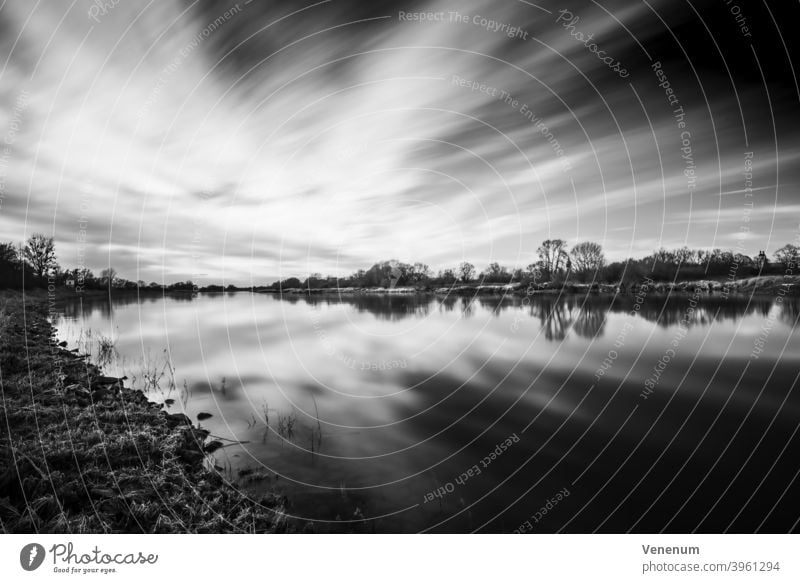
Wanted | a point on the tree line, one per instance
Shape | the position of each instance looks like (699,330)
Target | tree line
(34,264)
(557,263)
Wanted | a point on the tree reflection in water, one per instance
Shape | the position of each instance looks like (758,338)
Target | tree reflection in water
(585,314)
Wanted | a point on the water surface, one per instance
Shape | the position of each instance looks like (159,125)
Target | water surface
(457,414)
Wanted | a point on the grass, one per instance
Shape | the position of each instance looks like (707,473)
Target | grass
(106,350)
(76,457)
(286,425)
(316,433)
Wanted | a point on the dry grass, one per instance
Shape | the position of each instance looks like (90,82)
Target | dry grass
(104,460)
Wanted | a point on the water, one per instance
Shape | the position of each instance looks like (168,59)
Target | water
(403,414)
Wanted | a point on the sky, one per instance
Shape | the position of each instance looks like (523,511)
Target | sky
(245,142)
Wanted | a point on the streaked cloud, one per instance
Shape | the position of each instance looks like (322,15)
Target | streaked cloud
(252,141)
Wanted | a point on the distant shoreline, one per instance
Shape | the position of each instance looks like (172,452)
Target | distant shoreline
(764,284)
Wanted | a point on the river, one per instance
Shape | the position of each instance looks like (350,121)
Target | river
(455,414)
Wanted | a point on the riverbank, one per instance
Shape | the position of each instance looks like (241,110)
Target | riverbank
(80,453)
(764,284)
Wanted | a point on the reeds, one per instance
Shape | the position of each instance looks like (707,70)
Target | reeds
(106,350)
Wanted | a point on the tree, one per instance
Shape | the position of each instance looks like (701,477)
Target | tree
(664,256)
(715,255)
(315,281)
(187,285)
(108,275)
(419,272)
(684,255)
(587,257)
(552,252)
(447,276)
(492,272)
(40,252)
(496,273)
(289,283)
(466,271)
(8,253)
(83,276)
(387,274)
(788,256)
(534,271)
(13,272)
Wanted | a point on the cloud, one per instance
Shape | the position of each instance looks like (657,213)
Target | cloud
(251,141)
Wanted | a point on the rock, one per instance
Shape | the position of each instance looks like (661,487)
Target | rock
(212,446)
(191,457)
(102,380)
(196,434)
(176,419)
(204,416)
(100,394)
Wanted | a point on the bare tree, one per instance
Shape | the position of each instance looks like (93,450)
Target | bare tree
(588,257)
(684,255)
(496,273)
(466,270)
(788,255)
(551,254)
(109,274)
(419,272)
(664,255)
(40,253)
(447,276)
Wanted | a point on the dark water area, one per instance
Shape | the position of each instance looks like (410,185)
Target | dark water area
(457,414)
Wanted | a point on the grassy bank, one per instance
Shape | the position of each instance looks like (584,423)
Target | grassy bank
(79,453)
